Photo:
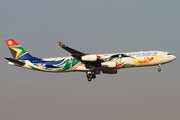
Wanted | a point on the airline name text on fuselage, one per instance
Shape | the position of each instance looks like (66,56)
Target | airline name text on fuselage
(143,54)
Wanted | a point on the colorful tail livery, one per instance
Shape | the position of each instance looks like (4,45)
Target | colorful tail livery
(91,64)
(17,51)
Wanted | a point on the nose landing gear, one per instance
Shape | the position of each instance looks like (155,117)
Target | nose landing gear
(159,69)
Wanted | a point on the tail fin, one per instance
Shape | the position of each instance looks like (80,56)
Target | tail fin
(17,51)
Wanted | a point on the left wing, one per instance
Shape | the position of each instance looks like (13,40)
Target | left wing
(73,52)
(84,57)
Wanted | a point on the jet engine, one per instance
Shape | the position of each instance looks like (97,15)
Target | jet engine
(89,58)
(109,64)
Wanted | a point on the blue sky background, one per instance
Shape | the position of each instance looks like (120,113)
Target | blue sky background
(92,26)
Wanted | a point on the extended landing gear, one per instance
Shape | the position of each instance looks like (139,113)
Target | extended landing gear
(159,69)
(90,76)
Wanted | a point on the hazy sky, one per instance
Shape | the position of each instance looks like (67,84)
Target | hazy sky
(91,26)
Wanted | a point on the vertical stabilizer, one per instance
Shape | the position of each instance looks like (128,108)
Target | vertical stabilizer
(17,51)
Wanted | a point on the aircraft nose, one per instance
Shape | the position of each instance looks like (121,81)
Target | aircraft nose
(173,57)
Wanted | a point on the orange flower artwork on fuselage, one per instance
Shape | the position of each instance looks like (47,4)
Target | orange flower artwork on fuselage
(146,59)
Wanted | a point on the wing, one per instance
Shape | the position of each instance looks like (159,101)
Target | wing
(73,52)
(77,54)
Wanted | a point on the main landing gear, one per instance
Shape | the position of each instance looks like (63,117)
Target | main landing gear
(159,69)
(90,76)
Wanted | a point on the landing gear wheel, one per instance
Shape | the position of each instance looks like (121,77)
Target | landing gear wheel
(159,69)
(89,79)
(94,76)
(88,75)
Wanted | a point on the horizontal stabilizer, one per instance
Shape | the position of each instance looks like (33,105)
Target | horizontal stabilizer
(16,62)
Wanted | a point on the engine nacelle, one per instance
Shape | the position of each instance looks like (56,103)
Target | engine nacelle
(89,58)
(109,64)
(110,72)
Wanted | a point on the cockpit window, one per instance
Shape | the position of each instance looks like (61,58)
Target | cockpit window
(169,54)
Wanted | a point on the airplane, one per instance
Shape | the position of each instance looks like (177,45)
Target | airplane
(91,64)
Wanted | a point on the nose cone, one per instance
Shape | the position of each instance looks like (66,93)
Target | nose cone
(173,57)
(170,58)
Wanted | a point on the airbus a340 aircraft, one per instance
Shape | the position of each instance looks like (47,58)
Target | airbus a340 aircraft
(92,64)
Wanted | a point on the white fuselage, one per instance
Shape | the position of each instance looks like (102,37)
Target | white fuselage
(122,60)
